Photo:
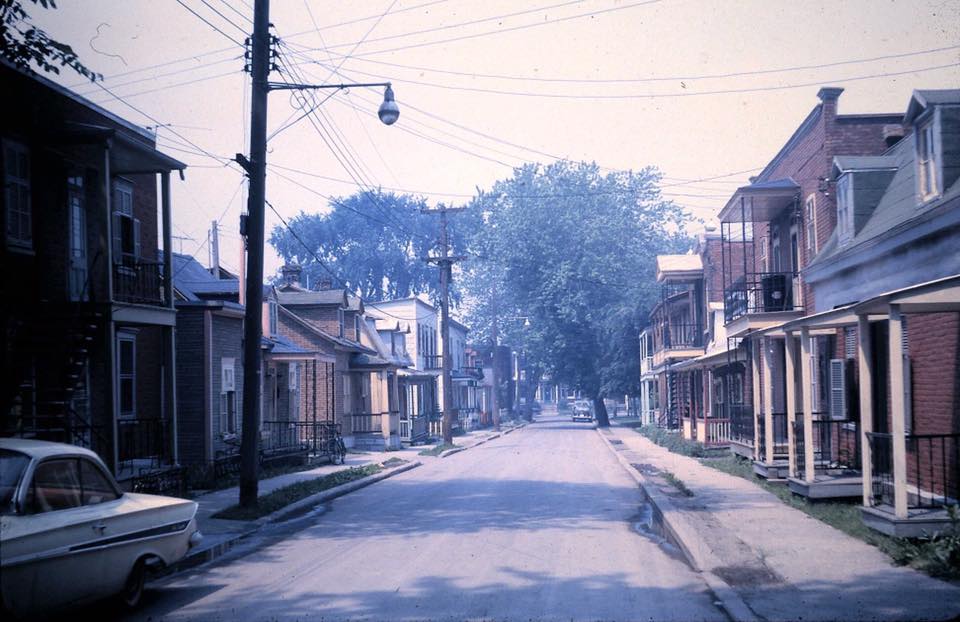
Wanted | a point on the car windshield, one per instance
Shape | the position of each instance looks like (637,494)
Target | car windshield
(12,466)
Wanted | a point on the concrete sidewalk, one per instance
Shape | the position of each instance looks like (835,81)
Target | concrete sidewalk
(780,562)
(220,535)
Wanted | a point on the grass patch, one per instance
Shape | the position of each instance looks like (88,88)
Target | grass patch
(673,441)
(677,483)
(283,497)
(937,556)
(437,449)
(392,462)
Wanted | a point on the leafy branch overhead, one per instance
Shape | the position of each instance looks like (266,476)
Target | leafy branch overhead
(26,46)
(373,243)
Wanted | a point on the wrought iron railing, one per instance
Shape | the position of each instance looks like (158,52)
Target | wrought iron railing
(933,469)
(280,437)
(138,282)
(142,443)
(780,440)
(432,362)
(758,293)
(742,423)
(836,444)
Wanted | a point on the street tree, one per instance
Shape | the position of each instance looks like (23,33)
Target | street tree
(571,250)
(374,242)
(26,46)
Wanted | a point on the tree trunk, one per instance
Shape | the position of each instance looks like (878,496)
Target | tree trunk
(600,409)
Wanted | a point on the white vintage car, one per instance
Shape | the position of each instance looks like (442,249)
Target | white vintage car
(68,534)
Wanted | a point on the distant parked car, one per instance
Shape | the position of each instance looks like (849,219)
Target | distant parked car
(69,535)
(582,411)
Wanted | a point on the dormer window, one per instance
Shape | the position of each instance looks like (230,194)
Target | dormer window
(845,208)
(926,162)
(340,322)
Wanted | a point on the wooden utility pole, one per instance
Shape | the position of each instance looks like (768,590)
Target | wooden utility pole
(256,170)
(445,261)
(494,377)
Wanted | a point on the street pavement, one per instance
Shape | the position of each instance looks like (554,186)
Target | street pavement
(540,524)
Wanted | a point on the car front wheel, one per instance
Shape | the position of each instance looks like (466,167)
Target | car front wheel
(133,589)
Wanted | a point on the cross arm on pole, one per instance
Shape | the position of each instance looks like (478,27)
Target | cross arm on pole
(285,86)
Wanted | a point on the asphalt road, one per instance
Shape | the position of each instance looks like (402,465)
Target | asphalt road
(536,525)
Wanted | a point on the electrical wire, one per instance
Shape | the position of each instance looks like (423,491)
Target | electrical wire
(208,22)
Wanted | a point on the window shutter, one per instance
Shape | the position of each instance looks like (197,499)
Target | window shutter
(814,374)
(907,380)
(136,238)
(838,392)
(117,237)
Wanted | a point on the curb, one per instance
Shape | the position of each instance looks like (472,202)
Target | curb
(333,493)
(694,548)
(457,450)
(221,548)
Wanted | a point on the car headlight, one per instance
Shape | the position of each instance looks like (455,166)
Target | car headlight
(195,539)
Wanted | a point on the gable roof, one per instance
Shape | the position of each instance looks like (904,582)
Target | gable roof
(923,99)
(193,282)
(287,296)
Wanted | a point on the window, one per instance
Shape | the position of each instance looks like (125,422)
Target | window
(736,388)
(347,394)
(127,374)
(68,483)
(775,251)
(76,206)
(126,228)
(16,172)
(273,316)
(810,222)
(356,327)
(926,162)
(228,396)
(340,321)
(845,208)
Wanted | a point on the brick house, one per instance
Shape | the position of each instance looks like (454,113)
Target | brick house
(886,299)
(782,220)
(88,316)
(364,384)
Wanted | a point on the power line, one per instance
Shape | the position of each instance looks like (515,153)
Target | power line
(208,23)
(179,84)
(499,31)
(677,78)
(224,17)
(234,9)
(624,96)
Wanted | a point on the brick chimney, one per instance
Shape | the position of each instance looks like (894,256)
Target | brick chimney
(828,97)
(325,283)
(291,274)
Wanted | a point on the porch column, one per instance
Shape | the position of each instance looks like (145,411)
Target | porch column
(791,354)
(757,402)
(807,390)
(865,369)
(767,399)
(898,414)
(169,332)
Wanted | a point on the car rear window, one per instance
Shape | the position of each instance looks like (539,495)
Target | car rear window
(12,466)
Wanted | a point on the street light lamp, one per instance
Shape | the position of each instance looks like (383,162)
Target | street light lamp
(389,111)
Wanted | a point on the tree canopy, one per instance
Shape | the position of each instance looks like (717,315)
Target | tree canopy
(565,261)
(25,45)
(374,242)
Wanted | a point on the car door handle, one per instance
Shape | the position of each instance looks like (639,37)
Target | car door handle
(100,527)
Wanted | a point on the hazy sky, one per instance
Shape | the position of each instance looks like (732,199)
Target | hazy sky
(484,86)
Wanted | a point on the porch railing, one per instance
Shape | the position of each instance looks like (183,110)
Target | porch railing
(138,282)
(279,437)
(836,444)
(682,336)
(780,441)
(366,423)
(717,431)
(432,361)
(413,428)
(741,424)
(759,293)
(933,469)
(142,444)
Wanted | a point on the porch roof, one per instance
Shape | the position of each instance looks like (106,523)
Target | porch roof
(759,202)
(931,297)
(678,267)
